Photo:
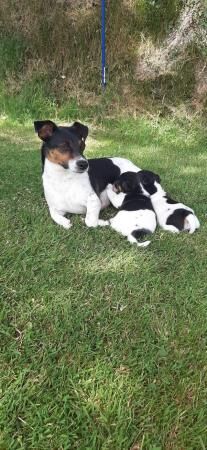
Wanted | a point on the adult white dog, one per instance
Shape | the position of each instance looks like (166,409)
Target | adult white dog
(73,184)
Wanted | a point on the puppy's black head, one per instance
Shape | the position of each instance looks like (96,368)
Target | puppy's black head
(127,182)
(63,145)
(148,181)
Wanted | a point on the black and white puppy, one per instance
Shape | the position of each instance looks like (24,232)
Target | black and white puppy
(171,215)
(136,217)
(73,184)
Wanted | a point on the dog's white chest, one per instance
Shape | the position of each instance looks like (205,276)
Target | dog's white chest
(66,191)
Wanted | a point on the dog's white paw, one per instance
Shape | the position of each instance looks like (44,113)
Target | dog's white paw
(109,187)
(66,223)
(103,223)
(91,222)
(171,229)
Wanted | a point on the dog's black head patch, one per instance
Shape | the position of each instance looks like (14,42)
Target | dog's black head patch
(127,182)
(63,145)
(147,179)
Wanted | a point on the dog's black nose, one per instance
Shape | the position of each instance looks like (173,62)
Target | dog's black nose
(82,164)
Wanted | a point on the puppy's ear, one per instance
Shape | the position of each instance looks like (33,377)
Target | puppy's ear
(148,177)
(44,129)
(80,129)
(157,178)
(144,176)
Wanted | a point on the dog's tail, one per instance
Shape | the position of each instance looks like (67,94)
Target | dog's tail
(137,235)
(191,223)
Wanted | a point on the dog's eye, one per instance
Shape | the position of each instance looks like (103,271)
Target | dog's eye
(64,147)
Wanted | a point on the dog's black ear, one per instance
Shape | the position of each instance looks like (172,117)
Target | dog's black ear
(80,129)
(145,176)
(157,178)
(44,129)
(148,177)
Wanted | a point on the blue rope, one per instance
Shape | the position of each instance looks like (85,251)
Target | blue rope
(103,43)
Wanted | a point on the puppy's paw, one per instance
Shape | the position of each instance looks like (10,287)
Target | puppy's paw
(109,187)
(171,229)
(103,223)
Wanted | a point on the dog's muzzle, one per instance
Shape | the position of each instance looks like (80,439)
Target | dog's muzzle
(78,165)
(82,165)
(116,187)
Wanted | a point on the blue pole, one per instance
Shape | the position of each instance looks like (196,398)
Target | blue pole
(103,43)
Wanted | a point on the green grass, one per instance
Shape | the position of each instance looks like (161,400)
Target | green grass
(103,344)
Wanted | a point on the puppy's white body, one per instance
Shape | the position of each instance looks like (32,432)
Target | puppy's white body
(126,222)
(71,192)
(164,210)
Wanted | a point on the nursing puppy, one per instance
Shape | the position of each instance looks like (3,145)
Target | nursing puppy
(136,217)
(171,215)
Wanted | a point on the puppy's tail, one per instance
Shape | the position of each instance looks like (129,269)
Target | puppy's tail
(137,235)
(191,223)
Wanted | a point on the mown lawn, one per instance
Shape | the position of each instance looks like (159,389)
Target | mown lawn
(104,346)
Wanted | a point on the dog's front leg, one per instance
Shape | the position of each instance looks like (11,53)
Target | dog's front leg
(93,210)
(58,217)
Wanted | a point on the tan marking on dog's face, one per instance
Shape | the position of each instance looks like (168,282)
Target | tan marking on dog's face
(117,188)
(58,157)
